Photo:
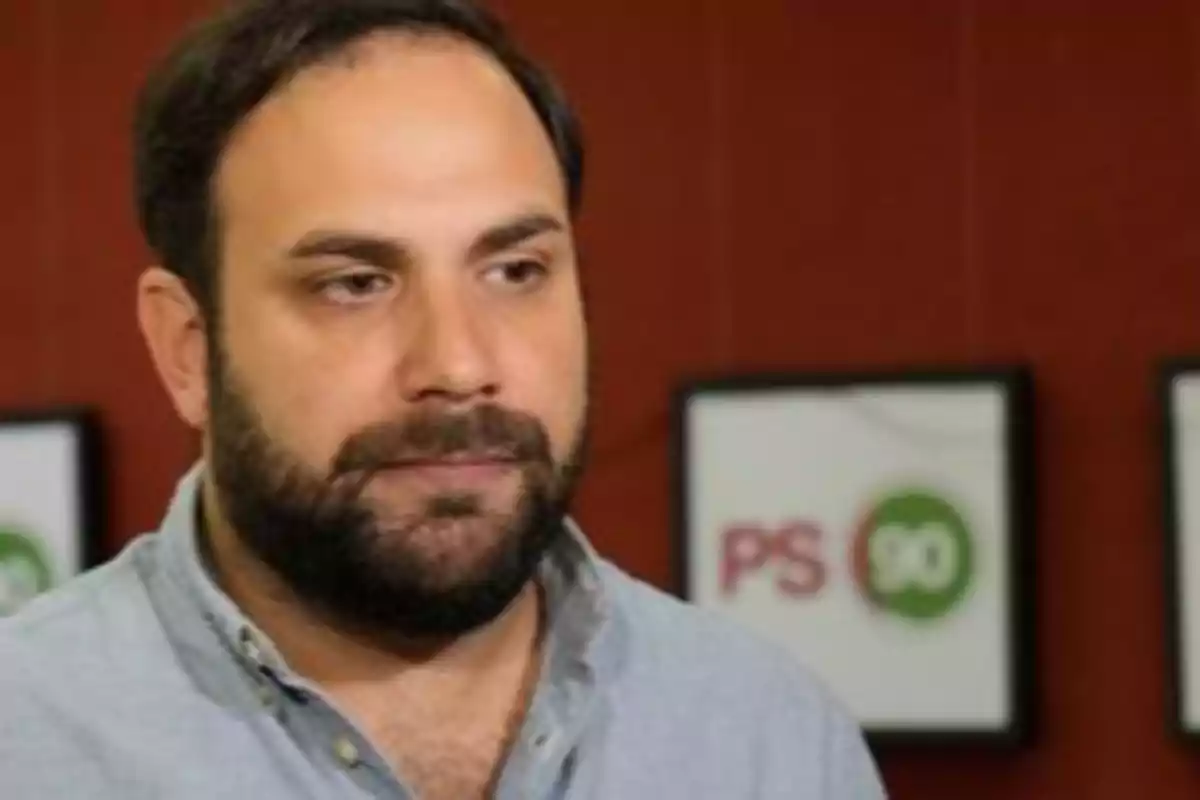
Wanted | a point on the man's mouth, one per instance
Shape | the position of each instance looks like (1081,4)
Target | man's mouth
(457,471)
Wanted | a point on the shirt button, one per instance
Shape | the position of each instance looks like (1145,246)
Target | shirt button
(250,648)
(346,752)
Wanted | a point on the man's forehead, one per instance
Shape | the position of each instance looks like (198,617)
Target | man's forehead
(445,129)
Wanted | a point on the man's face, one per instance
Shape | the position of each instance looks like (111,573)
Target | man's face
(398,368)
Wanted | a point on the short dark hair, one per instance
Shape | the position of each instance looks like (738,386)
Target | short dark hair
(220,72)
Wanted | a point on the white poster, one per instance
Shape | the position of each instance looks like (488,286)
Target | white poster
(872,527)
(48,526)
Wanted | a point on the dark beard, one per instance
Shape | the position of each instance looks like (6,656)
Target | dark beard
(363,575)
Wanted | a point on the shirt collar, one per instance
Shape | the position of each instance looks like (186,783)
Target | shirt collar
(579,605)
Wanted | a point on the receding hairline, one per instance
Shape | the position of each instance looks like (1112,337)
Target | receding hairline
(352,54)
(347,53)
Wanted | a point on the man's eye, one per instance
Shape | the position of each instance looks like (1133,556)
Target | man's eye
(354,286)
(521,273)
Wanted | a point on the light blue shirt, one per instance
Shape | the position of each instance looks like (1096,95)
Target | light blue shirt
(141,679)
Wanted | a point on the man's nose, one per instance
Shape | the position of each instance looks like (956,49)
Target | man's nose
(451,355)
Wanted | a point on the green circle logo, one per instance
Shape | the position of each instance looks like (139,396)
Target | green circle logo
(24,571)
(913,556)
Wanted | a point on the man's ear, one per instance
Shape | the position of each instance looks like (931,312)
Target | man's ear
(172,324)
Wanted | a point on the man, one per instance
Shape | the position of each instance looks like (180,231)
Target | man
(369,306)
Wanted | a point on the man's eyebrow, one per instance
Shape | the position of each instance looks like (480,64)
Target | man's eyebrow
(389,253)
(512,233)
(368,248)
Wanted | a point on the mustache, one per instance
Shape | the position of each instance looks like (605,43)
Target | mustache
(487,431)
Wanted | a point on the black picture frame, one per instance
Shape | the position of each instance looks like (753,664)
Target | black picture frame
(83,475)
(1180,724)
(1015,385)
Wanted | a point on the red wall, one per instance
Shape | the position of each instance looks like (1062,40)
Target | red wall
(775,183)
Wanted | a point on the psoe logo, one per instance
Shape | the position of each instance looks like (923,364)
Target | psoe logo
(24,570)
(913,556)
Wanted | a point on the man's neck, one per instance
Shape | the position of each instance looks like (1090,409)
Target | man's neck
(450,677)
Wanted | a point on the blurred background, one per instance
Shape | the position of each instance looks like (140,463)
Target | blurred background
(796,185)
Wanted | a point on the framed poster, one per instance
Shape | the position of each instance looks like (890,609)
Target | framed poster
(1180,393)
(49,502)
(878,528)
